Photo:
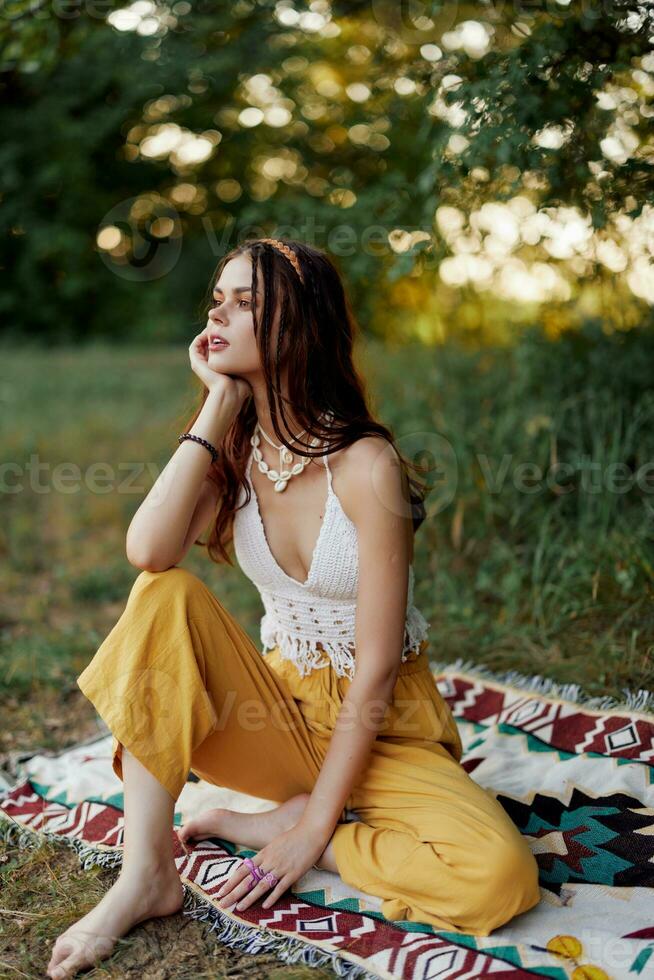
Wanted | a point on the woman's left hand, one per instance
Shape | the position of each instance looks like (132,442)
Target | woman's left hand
(288,856)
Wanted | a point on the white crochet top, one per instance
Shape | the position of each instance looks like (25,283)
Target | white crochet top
(320,610)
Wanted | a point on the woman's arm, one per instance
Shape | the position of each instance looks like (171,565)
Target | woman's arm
(183,499)
(372,481)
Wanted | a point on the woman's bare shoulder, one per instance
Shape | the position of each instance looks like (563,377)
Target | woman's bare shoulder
(350,464)
(362,452)
(368,466)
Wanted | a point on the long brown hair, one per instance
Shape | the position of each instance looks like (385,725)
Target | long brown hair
(318,331)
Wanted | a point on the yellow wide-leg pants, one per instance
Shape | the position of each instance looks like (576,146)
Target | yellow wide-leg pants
(182,685)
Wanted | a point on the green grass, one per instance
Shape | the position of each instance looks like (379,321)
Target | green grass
(545,581)
(548,582)
(541,581)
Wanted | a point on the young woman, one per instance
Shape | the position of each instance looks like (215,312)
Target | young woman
(284,459)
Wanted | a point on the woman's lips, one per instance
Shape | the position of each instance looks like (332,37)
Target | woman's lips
(217,345)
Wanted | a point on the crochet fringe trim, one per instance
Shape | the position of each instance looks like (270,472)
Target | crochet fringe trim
(416,629)
(640,700)
(232,933)
(305,655)
(303,652)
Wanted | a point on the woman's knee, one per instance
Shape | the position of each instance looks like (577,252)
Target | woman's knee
(511,876)
(168,576)
(491,886)
(174,581)
(176,600)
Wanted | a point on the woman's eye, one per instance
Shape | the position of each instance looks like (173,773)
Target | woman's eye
(217,302)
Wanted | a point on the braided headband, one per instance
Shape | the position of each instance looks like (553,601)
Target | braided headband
(288,252)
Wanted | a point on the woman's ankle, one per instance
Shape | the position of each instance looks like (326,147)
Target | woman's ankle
(147,870)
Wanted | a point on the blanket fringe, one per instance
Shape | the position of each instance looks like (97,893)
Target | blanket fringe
(13,833)
(251,939)
(633,700)
(237,935)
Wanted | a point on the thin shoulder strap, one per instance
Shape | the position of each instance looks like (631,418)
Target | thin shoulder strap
(329,471)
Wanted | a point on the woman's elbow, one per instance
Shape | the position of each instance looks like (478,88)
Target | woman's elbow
(146,560)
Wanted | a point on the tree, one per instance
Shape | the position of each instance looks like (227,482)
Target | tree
(142,141)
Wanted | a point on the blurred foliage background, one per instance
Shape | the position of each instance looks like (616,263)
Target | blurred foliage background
(473,167)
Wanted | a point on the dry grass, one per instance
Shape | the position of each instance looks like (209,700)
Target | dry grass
(45,890)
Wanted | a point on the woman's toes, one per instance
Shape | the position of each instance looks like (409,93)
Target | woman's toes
(73,953)
(206,823)
(66,967)
(61,951)
(186,830)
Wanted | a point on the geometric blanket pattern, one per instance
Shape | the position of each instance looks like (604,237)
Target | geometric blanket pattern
(575,774)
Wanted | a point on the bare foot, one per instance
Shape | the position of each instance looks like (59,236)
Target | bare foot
(129,901)
(251,829)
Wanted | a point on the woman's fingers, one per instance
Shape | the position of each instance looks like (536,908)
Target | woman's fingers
(242,873)
(244,895)
(240,885)
(234,889)
(199,358)
(198,349)
(241,892)
(276,892)
(252,895)
(261,890)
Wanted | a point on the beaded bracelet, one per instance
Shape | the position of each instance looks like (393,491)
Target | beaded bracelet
(203,442)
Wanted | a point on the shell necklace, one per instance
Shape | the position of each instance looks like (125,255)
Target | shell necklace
(281,476)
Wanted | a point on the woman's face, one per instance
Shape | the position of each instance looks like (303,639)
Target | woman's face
(231,317)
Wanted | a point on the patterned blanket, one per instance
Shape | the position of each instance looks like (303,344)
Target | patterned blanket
(575,774)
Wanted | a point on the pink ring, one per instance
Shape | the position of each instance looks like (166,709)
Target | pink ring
(255,874)
(271,878)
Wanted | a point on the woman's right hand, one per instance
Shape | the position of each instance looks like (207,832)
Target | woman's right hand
(232,386)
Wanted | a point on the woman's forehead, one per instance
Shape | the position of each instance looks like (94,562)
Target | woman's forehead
(236,276)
